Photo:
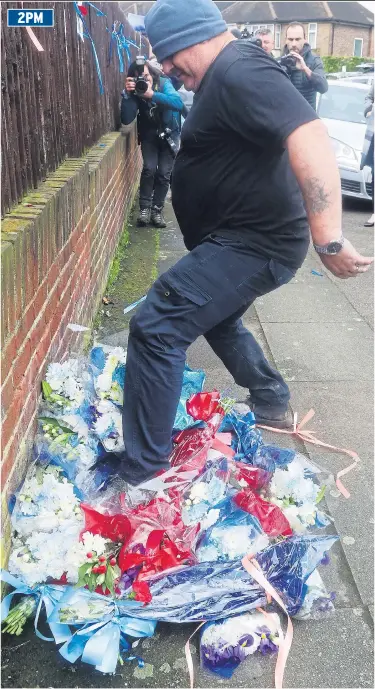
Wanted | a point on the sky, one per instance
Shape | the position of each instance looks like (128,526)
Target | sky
(369,5)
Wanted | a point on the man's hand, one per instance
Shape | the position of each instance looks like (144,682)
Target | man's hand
(301,64)
(348,263)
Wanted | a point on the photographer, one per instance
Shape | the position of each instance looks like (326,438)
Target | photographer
(158,107)
(266,36)
(304,69)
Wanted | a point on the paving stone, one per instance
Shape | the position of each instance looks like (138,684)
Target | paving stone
(321,352)
(306,299)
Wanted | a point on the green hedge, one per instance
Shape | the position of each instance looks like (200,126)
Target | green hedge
(335,64)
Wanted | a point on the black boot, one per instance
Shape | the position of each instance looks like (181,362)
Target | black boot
(144,217)
(272,417)
(157,217)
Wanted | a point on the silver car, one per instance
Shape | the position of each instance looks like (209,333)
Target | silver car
(341,110)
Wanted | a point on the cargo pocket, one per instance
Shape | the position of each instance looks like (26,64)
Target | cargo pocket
(185,286)
(280,273)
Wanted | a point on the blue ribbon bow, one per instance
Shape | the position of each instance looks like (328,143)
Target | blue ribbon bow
(47,595)
(87,34)
(98,642)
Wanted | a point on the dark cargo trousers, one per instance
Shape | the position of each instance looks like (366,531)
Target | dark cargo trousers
(205,293)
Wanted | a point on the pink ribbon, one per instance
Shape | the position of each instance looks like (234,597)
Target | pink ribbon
(253,568)
(188,655)
(309,437)
(34,39)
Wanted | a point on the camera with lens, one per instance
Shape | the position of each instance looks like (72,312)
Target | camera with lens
(288,62)
(141,83)
(165,135)
(256,41)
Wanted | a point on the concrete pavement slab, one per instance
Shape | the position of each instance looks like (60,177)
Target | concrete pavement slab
(319,352)
(306,299)
(336,652)
(343,412)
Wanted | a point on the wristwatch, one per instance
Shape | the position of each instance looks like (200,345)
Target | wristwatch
(332,248)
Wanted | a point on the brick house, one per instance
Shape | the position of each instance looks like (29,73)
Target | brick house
(332,28)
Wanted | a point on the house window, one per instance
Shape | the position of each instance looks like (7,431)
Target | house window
(312,33)
(358,47)
(277,35)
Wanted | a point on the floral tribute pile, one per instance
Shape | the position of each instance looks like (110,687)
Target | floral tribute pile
(104,561)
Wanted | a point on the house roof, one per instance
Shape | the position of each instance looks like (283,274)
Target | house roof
(267,12)
(351,12)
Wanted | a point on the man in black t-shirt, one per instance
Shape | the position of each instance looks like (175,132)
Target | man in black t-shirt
(250,146)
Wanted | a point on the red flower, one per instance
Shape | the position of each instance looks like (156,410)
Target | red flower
(115,527)
(82,9)
(142,592)
(203,405)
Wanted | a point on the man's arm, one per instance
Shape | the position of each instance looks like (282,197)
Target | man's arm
(314,164)
(316,75)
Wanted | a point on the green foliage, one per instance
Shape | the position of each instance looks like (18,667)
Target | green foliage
(335,64)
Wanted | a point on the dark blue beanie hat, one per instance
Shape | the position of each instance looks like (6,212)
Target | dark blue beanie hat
(173,25)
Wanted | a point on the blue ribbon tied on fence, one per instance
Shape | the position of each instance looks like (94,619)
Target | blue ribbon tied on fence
(47,596)
(98,642)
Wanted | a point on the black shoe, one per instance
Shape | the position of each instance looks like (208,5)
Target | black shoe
(157,217)
(273,418)
(144,217)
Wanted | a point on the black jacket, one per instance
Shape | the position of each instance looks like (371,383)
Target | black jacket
(316,84)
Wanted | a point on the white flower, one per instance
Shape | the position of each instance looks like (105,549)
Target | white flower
(86,455)
(210,519)
(94,542)
(76,423)
(104,382)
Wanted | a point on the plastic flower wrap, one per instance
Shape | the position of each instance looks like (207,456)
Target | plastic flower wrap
(108,426)
(67,387)
(205,492)
(193,382)
(233,535)
(66,441)
(45,502)
(225,644)
(297,495)
(211,591)
(317,602)
(109,377)
(272,519)
(247,438)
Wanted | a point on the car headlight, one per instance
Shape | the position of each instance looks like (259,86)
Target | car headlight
(343,150)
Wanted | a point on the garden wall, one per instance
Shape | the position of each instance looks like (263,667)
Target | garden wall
(57,247)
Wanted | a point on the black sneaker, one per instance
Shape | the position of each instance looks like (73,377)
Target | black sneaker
(144,217)
(272,418)
(157,217)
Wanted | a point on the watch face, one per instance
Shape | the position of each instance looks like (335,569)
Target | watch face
(334,247)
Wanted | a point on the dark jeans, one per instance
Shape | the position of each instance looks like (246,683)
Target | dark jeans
(157,167)
(205,293)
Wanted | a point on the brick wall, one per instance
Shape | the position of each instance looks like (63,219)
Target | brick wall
(343,42)
(57,247)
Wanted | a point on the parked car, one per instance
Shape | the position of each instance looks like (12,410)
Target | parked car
(362,79)
(343,75)
(341,110)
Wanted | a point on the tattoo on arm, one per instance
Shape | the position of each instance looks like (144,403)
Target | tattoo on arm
(316,196)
